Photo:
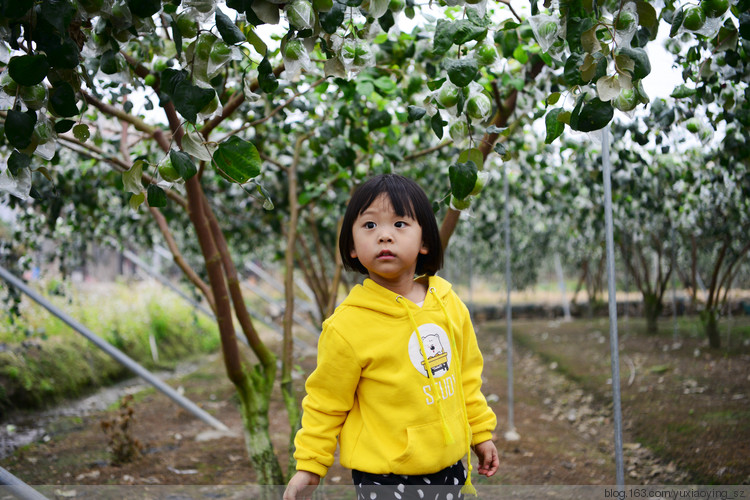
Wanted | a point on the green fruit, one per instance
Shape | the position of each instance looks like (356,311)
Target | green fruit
(459,131)
(212,106)
(294,50)
(480,183)
(548,29)
(396,5)
(473,2)
(362,54)
(299,14)
(485,54)
(694,18)
(322,5)
(714,8)
(448,95)
(203,46)
(168,172)
(187,25)
(625,21)
(693,125)
(627,100)
(150,80)
(478,107)
(460,204)
(220,52)
(8,84)
(34,96)
(160,65)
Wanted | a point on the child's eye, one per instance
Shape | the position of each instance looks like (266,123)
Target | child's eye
(400,224)
(370,225)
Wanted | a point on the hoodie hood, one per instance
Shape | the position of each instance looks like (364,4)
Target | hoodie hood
(370,295)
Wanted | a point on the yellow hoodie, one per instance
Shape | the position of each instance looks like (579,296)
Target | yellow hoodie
(371,388)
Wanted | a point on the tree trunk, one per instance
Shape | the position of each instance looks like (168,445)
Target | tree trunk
(710,320)
(652,308)
(254,394)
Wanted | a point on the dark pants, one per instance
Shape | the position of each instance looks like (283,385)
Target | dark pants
(443,485)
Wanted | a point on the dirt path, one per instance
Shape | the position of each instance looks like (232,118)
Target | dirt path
(565,437)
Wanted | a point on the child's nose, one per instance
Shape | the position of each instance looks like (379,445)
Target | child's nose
(385,236)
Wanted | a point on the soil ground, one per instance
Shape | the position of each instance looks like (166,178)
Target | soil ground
(686,417)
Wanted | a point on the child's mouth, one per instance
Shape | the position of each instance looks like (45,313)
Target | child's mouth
(385,254)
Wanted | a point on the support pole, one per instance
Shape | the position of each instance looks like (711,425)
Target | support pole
(511,434)
(613,340)
(675,333)
(561,285)
(11,484)
(118,355)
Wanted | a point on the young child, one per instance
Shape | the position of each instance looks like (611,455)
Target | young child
(398,379)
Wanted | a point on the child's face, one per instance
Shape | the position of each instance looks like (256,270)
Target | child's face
(385,243)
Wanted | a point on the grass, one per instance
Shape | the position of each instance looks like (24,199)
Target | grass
(684,401)
(44,360)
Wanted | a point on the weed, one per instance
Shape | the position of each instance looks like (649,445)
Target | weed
(123,446)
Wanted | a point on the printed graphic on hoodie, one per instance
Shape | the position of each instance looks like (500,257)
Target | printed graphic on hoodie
(437,346)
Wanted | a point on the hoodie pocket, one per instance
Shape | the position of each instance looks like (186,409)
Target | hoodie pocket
(426,450)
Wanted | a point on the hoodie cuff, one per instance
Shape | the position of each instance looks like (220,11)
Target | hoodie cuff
(312,466)
(477,438)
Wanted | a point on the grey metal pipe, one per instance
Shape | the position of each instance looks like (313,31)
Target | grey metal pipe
(508,307)
(118,355)
(614,345)
(11,484)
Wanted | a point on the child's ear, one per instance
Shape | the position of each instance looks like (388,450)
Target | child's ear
(353,253)
(424,250)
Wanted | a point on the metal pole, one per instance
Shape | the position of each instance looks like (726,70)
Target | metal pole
(11,484)
(675,333)
(511,435)
(613,340)
(114,352)
(561,285)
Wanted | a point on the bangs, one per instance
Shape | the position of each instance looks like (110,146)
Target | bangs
(401,197)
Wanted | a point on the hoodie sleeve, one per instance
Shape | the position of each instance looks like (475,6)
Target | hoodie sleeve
(330,395)
(482,419)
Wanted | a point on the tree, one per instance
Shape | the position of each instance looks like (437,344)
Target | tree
(235,108)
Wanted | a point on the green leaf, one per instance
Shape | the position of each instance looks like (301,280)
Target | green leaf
(189,99)
(81,132)
(681,91)
(258,44)
(461,72)
(17,161)
(136,200)
(237,160)
(474,155)
(415,113)
(677,22)
(500,149)
(182,162)
(378,119)
(641,60)
(157,198)
(647,18)
(266,79)
(520,55)
(359,137)
(592,115)
(63,126)
(463,177)
(131,178)
(16,8)
(572,70)
(443,39)
(553,98)
(170,78)
(437,124)
(385,85)
(63,54)
(176,36)
(19,127)
(229,32)
(28,70)
(58,13)
(144,8)
(331,20)
(555,127)
(466,31)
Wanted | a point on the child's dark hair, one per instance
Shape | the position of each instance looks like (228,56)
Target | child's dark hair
(408,199)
